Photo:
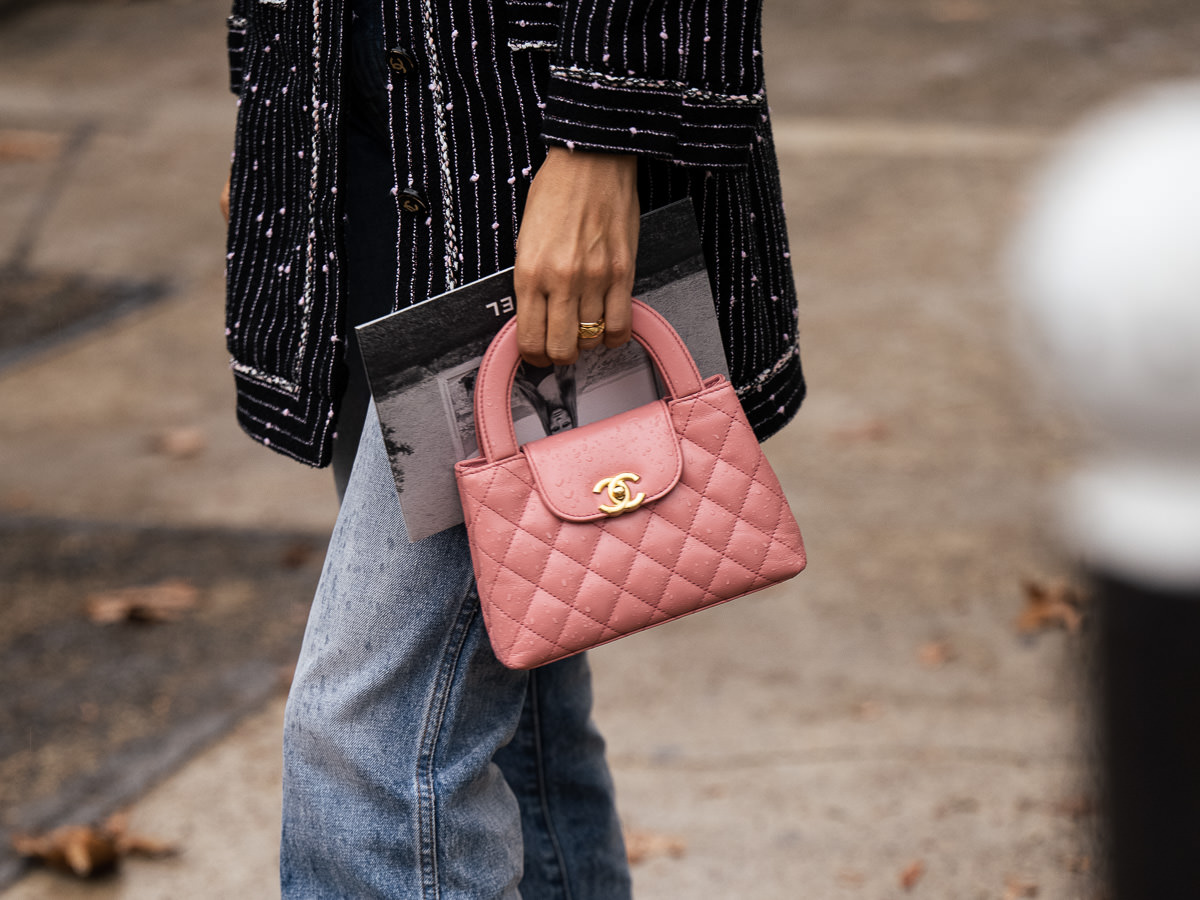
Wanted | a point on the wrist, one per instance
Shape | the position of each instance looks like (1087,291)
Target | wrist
(593,160)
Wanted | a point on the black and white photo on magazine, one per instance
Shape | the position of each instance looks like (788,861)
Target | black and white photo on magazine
(422,363)
(550,399)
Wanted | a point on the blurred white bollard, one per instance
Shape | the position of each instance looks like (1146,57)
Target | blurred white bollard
(1107,263)
(1107,267)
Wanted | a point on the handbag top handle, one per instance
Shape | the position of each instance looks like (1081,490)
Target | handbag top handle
(493,387)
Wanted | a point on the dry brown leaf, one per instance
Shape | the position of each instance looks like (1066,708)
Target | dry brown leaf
(642,845)
(287,674)
(1016,888)
(935,654)
(88,851)
(956,806)
(28,146)
(866,430)
(1079,807)
(1080,865)
(297,554)
(136,844)
(83,850)
(911,874)
(851,878)
(180,443)
(162,602)
(868,710)
(1049,605)
(18,500)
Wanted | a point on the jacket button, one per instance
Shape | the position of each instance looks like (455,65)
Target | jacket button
(411,201)
(400,61)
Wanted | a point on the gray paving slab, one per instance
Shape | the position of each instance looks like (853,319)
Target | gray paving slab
(804,743)
(91,713)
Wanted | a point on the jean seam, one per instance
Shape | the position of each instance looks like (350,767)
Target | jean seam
(430,734)
(539,757)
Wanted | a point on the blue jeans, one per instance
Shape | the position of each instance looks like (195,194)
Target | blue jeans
(417,766)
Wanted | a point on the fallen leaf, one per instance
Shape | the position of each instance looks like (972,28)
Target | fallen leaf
(162,602)
(297,554)
(180,443)
(911,874)
(1080,807)
(1080,865)
(642,845)
(1015,888)
(956,806)
(935,654)
(83,850)
(866,430)
(868,710)
(851,878)
(1049,605)
(28,146)
(18,500)
(88,851)
(287,674)
(137,844)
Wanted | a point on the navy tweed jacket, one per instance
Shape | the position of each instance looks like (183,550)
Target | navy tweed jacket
(477,89)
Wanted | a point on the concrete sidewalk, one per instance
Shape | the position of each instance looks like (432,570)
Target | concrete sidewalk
(878,716)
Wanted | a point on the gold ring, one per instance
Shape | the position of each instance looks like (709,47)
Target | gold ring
(590,330)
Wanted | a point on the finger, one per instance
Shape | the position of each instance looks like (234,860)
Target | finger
(531,326)
(562,329)
(618,316)
(591,309)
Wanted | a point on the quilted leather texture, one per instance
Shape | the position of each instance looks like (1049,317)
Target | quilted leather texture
(551,587)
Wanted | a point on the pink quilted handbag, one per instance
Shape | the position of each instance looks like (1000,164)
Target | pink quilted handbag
(588,535)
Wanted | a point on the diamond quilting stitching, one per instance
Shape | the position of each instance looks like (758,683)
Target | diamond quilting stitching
(741,495)
(555,546)
(696,436)
(536,581)
(744,494)
(713,497)
(524,626)
(554,543)
(718,550)
(726,523)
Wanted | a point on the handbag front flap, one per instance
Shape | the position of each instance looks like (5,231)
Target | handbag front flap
(607,468)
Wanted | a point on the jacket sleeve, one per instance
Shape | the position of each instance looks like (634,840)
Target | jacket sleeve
(675,79)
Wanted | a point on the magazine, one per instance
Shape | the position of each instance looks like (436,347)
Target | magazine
(422,361)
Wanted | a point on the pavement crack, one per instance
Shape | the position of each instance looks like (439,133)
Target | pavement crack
(78,137)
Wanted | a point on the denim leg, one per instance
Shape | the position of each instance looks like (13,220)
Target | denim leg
(397,708)
(401,720)
(555,766)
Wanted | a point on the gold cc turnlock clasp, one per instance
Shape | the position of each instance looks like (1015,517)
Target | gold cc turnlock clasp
(621,498)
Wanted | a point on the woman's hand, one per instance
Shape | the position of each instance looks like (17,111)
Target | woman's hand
(576,254)
(225,199)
